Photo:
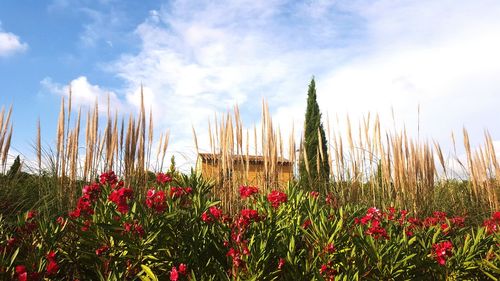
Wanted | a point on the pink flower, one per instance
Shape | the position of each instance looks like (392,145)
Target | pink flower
(276,198)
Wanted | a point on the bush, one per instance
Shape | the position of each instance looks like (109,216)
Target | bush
(178,231)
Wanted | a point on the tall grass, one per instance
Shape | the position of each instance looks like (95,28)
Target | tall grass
(367,165)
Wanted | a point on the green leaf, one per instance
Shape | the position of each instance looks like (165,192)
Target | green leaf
(149,272)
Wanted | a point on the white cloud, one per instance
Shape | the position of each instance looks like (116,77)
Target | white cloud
(84,94)
(367,56)
(10,44)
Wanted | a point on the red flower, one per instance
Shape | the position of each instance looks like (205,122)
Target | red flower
(458,221)
(250,214)
(101,250)
(22,275)
(86,225)
(60,221)
(445,227)
(247,191)
(205,217)
(306,224)
(328,271)
(281,263)
(93,191)
(75,213)
(330,248)
(314,194)
(162,178)
(442,251)
(183,269)
(52,266)
(31,214)
(156,200)
(371,215)
(496,216)
(276,198)
(134,228)
(213,212)
(177,192)
(51,255)
(83,207)
(109,178)
(120,197)
(376,230)
(174,275)
(236,257)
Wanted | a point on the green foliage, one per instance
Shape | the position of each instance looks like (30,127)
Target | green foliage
(314,169)
(178,227)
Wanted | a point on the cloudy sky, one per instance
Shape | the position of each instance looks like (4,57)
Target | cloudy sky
(195,58)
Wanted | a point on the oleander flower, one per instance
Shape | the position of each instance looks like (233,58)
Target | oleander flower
(442,251)
(247,191)
(276,198)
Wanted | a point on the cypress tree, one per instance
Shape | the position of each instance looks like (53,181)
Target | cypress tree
(15,168)
(314,169)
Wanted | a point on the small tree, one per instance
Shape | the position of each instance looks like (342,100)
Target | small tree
(313,168)
(15,168)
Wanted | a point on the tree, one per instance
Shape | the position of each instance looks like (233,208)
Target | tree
(313,168)
(15,168)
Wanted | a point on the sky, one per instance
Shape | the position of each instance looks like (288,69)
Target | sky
(196,58)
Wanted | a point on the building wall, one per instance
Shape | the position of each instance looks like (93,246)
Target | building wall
(255,173)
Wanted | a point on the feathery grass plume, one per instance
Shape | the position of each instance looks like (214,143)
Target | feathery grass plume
(150,138)
(39,147)
(195,140)
(60,137)
(165,146)
(6,147)
(5,135)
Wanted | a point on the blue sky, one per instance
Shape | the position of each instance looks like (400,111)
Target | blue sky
(195,58)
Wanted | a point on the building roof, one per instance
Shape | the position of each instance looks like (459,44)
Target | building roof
(209,157)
